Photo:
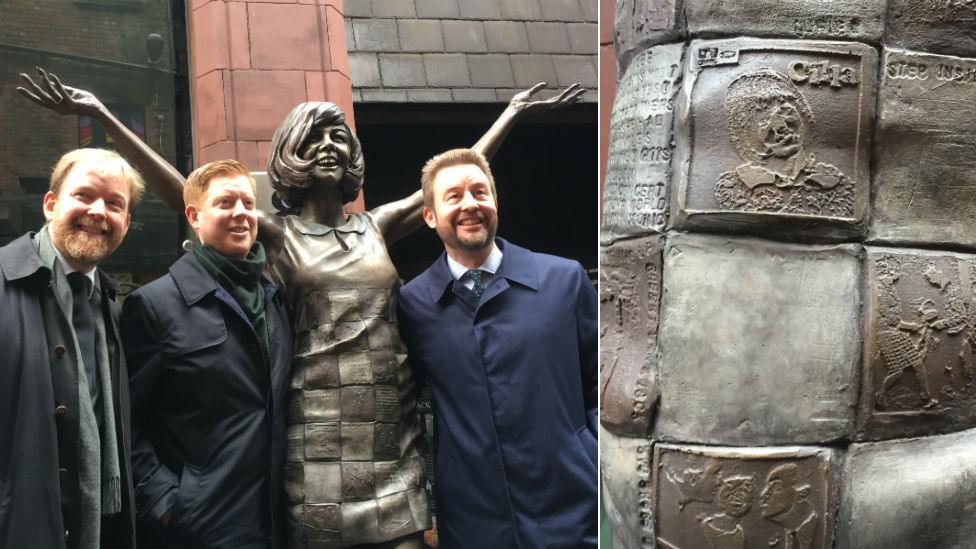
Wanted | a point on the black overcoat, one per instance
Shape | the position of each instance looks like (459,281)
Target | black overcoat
(208,412)
(39,420)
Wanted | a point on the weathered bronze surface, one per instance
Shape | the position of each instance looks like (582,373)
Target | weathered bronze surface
(630,296)
(760,341)
(920,351)
(924,190)
(625,469)
(635,197)
(937,26)
(909,494)
(773,137)
(639,24)
(854,20)
(781,498)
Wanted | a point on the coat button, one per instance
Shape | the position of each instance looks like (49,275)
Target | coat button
(63,473)
(59,351)
(61,410)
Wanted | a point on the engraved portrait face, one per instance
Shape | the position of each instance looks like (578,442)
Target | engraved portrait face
(735,495)
(782,131)
(766,116)
(780,493)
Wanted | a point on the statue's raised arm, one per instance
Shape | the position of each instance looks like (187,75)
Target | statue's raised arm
(402,217)
(164,180)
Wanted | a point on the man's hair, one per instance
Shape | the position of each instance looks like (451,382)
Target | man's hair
(101,161)
(453,157)
(199,180)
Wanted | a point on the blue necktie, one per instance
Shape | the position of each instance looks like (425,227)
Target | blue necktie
(476,276)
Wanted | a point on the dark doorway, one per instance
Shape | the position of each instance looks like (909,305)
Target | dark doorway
(546,174)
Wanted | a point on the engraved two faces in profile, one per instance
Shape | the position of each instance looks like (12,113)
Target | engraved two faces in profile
(770,123)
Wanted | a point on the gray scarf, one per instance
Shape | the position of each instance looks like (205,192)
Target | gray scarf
(99,475)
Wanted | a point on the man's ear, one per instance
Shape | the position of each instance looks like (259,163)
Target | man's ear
(192,216)
(429,218)
(50,202)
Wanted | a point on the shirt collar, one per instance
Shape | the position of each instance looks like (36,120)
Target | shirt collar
(491,263)
(68,269)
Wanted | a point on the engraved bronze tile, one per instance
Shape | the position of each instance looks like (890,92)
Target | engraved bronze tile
(295,518)
(323,482)
(920,346)
(358,403)
(639,24)
(357,480)
(295,482)
(348,336)
(295,451)
(418,508)
(319,405)
(343,304)
(625,469)
(355,369)
(387,403)
(357,441)
(322,441)
(412,471)
(937,26)
(384,364)
(386,444)
(323,517)
(924,191)
(773,138)
(630,296)
(909,494)
(635,196)
(376,303)
(855,20)
(395,518)
(387,478)
(380,335)
(760,341)
(316,314)
(294,411)
(319,371)
(781,498)
(360,522)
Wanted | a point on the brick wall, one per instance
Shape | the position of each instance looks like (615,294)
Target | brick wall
(468,50)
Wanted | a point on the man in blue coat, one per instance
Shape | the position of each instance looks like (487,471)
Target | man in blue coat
(507,339)
(209,346)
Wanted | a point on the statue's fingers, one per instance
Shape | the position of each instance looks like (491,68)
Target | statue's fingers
(30,95)
(35,88)
(59,86)
(535,89)
(52,90)
(567,92)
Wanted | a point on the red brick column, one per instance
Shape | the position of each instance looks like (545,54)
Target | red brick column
(252,61)
(608,86)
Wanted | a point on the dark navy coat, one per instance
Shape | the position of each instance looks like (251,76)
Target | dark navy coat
(39,419)
(208,413)
(514,379)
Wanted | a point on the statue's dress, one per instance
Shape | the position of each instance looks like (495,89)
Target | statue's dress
(355,471)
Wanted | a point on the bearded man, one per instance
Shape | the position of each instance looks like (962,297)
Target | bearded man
(507,339)
(65,481)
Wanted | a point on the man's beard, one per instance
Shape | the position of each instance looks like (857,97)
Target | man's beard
(82,246)
(473,243)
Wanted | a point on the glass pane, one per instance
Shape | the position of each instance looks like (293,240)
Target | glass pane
(129,53)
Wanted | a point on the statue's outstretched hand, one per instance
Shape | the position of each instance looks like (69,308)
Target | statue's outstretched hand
(52,94)
(522,102)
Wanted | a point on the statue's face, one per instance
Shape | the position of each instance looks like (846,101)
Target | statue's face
(735,496)
(329,147)
(782,131)
(777,497)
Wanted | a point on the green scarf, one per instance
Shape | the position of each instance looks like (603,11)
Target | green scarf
(242,279)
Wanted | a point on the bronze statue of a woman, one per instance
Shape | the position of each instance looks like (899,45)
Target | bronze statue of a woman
(354,473)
